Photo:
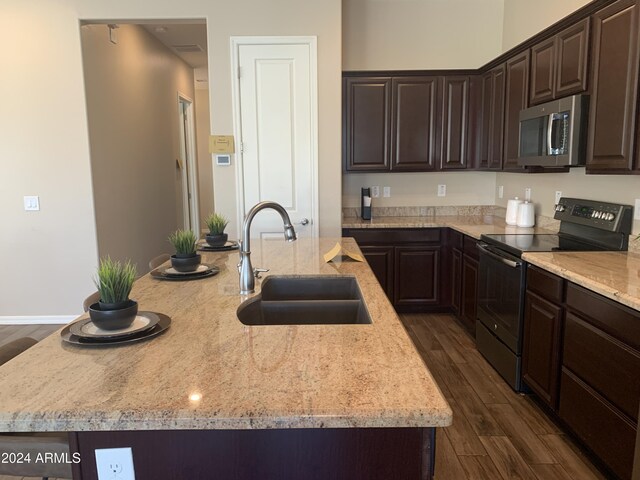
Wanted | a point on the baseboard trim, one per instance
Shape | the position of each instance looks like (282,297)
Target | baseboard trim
(37,319)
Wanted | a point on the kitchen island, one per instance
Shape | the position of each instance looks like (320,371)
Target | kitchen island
(212,396)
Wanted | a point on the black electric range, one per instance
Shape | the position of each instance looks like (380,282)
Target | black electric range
(585,225)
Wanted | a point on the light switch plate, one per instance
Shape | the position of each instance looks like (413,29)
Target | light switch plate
(636,210)
(501,191)
(558,196)
(442,190)
(115,464)
(386,192)
(527,194)
(375,191)
(31,203)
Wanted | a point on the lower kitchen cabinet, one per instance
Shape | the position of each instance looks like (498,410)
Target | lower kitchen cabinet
(456,280)
(409,264)
(469,285)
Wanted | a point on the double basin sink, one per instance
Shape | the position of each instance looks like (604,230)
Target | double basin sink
(306,300)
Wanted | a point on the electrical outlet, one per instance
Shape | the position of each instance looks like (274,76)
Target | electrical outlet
(115,464)
(442,190)
(527,194)
(558,197)
(636,211)
(501,191)
(375,192)
(31,203)
(386,192)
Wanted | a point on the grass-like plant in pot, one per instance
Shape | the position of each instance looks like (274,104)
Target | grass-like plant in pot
(216,236)
(185,259)
(114,281)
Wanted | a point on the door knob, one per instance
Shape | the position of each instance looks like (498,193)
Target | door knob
(304,221)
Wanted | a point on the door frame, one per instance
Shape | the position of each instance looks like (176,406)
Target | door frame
(311,42)
(190,181)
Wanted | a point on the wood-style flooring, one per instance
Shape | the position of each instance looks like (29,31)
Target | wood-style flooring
(496,433)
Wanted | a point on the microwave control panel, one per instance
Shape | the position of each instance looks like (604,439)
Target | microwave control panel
(612,217)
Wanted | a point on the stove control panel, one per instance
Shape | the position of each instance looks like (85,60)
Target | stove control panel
(611,217)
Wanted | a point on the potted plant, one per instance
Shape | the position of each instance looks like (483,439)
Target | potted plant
(185,259)
(114,281)
(216,236)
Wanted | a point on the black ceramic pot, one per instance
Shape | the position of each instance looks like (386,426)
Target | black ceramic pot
(113,316)
(185,263)
(216,240)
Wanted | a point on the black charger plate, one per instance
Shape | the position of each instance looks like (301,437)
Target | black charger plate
(205,247)
(160,274)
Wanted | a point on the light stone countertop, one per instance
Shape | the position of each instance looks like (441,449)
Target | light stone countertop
(615,275)
(209,371)
(472,225)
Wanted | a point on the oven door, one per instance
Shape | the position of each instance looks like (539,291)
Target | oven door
(501,286)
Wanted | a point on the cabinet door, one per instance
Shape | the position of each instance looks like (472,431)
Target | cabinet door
(543,62)
(541,347)
(380,259)
(474,126)
(367,122)
(486,86)
(417,276)
(454,123)
(572,47)
(497,117)
(469,292)
(614,89)
(415,116)
(516,99)
(456,280)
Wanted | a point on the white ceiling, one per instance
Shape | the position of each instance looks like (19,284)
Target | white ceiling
(176,35)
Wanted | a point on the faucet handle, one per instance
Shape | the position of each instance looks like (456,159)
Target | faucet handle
(258,271)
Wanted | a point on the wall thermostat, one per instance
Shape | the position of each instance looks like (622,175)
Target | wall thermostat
(224,160)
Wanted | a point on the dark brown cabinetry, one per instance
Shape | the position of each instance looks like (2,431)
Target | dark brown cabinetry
(516,99)
(469,285)
(541,337)
(559,64)
(614,89)
(409,264)
(455,121)
(456,243)
(493,84)
(366,120)
(414,143)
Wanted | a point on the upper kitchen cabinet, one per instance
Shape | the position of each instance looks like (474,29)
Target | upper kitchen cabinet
(614,89)
(492,118)
(415,116)
(559,64)
(516,99)
(367,123)
(455,121)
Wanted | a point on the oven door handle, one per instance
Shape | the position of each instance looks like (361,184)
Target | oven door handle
(483,247)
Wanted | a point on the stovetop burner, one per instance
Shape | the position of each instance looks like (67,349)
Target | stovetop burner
(539,242)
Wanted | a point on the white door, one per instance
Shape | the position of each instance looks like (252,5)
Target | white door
(188,175)
(278,133)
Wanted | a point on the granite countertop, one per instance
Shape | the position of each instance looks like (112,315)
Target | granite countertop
(615,275)
(472,225)
(209,371)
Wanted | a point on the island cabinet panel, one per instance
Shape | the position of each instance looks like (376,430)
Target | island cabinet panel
(516,99)
(455,119)
(456,280)
(572,53)
(414,142)
(291,454)
(541,347)
(469,292)
(381,261)
(493,86)
(367,125)
(417,276)
(614,89)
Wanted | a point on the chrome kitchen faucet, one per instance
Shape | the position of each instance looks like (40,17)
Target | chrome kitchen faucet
(246,270)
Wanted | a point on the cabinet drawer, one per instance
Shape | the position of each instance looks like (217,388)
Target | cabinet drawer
(607,365)
(384,236)
(544,283)
(471,247)
(605,431)
(617,320)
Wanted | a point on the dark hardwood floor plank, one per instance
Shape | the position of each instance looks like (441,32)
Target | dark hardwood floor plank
(550,472)
(448,465)
(531,448)
(484,386)
(463,438)
(574,462)
(479,416)
(448,371)
(531,413)
(479,467)
(507,459)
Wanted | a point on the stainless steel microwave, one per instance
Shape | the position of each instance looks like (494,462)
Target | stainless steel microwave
(554,134)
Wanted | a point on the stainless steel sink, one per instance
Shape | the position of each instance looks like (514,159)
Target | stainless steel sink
(306,300)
